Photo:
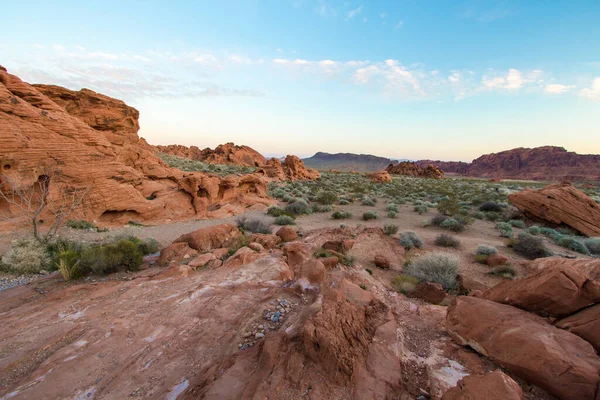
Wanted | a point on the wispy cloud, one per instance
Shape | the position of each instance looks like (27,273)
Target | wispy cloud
(399,25)
(480,14)
(353,13)
(324,9)
(513,80)
(593,92)
(556,88)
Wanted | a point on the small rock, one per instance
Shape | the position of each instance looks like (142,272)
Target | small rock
(259,335)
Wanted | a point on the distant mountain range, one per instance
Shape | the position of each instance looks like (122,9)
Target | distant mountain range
(348,162)
(539,163)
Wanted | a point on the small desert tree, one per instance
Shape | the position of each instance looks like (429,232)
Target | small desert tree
(31,201)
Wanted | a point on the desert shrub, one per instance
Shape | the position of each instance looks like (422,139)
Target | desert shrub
(341,215)
(492,216)
(298,207)
(420,209)
(517,223)
(68,264)
(530,246)
(505,229)
(288,198)
(254,225)
(369,215)
(344,202)
(593,245)
(565,230)
(326,198)
(534,230)
(490,206)
(318,208)
(574,244)
(148,246)
(390,229)
(445,240)
(405,283)
(58,245)
(348,261)
(437,267)
(275,211)
(391,207)
(438,219)
(285,220)
(481,258)
(124,254)
(368,201)
(448,206)
(486,250)
(392,214)
(551,233)
(505,271)
(26,256)
(453,224)
(478,215)
(410,240)
(84,225)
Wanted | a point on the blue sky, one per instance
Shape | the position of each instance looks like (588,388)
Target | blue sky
(411,79)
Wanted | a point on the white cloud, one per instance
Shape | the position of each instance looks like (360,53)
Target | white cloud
(513,80)
(281,61)
(106,56)
(325,9)
(80,47)
(140,58)
(240,59)
(399,25)
(38,46)
(455,77)
(555,88)
(205,59)
(58,47)
(382,15)
(353,13)
(593,92)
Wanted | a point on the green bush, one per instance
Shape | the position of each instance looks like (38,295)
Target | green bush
(490,206)
(410,240)
(367,201)
(344,202)
(68,264)
(593,245)
(452,224)
(405,283)
(298,207)
(285,220)
(574,244)
(84,225)
(26,256)
(275,211)
(505,229)
(448,206)
(318,208)
(390,229)
(420,209)
(341,215)
(326,198)
(486,250)
(369,215)
(445,240)
(148,246)
(253,225)
(392,207)
(122,255)
(505,271)
(530,247)
(392,214)
(517,223)
(534,230)
(436,267)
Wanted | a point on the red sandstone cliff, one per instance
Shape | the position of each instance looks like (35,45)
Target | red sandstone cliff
(227,153)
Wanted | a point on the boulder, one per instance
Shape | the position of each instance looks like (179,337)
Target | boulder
(268,241)
(256,247)
(313,271)
(243,256)
(412,169)
(494,385)
(210,238)
(381,262)
(202,260)
(339,246)
(560,204)
(330,262)
(287,234)
(379,177)
(220,253)
(558,361)
(585,324)
(176,253)
(295,170)
(495,260)
(296,253)
(558,290)
(430,292)
(467,285)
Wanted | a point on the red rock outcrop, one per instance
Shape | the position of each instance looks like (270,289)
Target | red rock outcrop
(412,169)
(292,169)
(560,362)
(558,290)
(495,385)
(585,324)
(86,141)
(560,204)
(380,177)
(210,238)
(539,163)
(227,153)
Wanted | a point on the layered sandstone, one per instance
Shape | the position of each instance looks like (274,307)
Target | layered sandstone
(227,153)
(412,169)
(292,169)
(86,141)
(560,204)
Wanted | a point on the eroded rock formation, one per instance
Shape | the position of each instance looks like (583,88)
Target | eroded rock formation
(84,140)
(227,153)
(380,177)
(292,169)
(412,169)
(560,204)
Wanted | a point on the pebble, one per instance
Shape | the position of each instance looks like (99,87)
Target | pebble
(10,281)
(259,335)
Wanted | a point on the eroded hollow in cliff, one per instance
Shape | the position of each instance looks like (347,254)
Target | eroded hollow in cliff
(119,216)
